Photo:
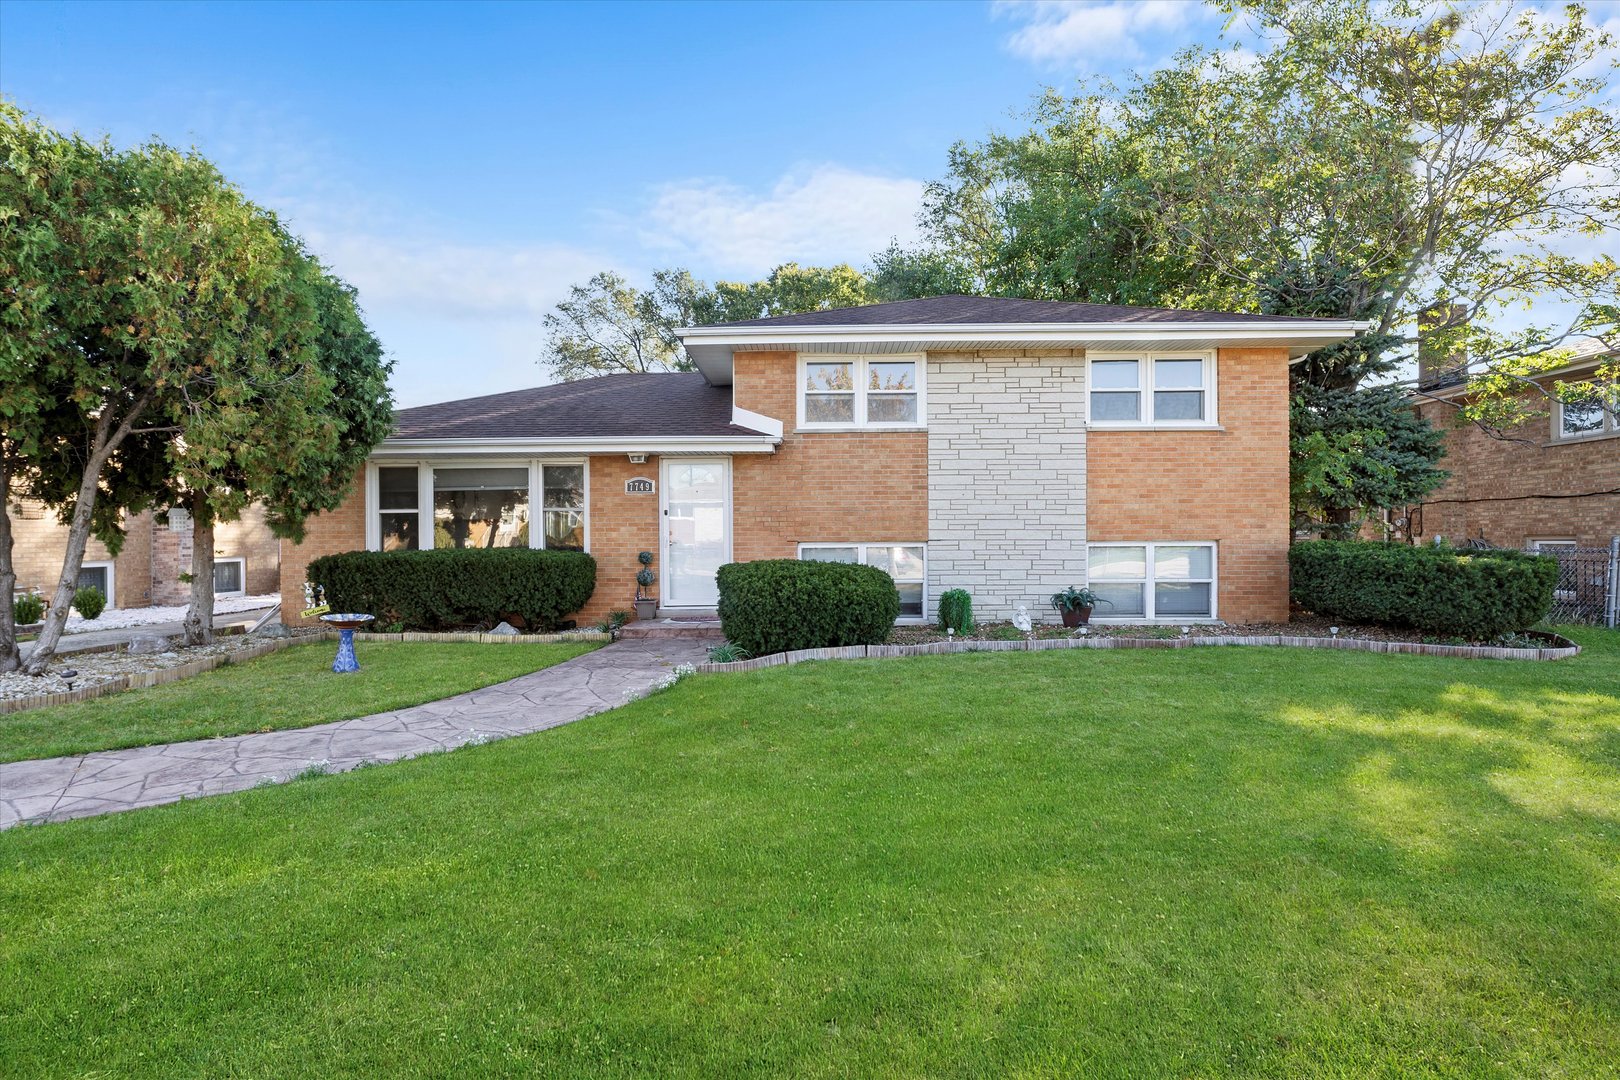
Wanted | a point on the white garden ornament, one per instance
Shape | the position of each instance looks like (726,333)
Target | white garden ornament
(1021,619)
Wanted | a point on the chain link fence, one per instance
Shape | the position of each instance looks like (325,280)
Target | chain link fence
(1588,589)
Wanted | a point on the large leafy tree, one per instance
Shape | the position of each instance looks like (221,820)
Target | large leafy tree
(161,342)
(290,434)
(1369,163)
(609,326)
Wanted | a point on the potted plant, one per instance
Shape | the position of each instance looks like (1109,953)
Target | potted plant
(1075,605)
(646,606)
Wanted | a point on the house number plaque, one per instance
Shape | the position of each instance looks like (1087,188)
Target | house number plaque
(639,485)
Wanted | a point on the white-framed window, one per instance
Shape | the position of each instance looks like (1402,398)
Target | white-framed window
(1153,580)
(839,392)
(906,563)
(230,577)
(97,575)
(1588,418)
(1551,545)
(1151,389)
(484,504)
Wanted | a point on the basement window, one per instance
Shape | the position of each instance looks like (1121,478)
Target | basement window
(906,563)
(1153,581)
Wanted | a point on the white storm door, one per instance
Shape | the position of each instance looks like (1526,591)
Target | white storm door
(697,529)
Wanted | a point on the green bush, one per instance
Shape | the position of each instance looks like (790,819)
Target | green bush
(89,601)
(456,588)
(28,608)
(1472,594)
(956,611)
(776,605)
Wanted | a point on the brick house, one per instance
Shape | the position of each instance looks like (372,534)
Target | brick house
(146,571)
(1552,482)
(1008,447)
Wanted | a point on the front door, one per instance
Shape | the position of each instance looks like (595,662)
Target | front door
(697,529)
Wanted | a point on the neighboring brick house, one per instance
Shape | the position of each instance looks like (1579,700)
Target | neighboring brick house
(147,569)
(1008,447)
(1552,481)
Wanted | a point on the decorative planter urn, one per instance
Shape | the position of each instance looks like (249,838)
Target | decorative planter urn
(646,609)
(347,623)
(1076,616)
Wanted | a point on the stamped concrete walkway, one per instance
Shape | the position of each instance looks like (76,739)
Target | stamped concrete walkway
(55,789)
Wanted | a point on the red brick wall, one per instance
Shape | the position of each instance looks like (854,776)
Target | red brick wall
(621,525)
(1229,486)
(820,486)
(1490,477)
(343,529)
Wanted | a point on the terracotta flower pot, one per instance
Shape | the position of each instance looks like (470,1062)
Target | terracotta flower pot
(1077,616)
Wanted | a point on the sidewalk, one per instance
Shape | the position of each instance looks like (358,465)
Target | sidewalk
(105,782)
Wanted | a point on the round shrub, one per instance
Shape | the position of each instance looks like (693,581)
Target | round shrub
(777,605)
(455,588)
(89,601)
(1441,590)
(28,608)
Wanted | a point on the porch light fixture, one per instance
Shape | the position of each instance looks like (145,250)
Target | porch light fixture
(638,459)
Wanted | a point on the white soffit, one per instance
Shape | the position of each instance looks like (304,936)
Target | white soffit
(711,347)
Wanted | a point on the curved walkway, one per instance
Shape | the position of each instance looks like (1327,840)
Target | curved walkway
(54,789)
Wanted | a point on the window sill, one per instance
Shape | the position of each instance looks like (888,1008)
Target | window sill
(1101,426)
(818,429)
(1576,440)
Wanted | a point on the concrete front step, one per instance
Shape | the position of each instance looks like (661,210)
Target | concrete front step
(675,628)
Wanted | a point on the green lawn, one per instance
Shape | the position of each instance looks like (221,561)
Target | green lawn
(1105,863)
(289,689)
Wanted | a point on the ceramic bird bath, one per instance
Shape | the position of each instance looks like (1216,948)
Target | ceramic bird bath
(346,623)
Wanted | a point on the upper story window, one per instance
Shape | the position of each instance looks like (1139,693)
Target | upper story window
(1152,390)
(1589,418)
(839,391)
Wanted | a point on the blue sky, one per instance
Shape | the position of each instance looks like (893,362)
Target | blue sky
(462,164)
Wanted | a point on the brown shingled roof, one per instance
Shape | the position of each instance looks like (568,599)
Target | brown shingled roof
(659,405)
(1001,310)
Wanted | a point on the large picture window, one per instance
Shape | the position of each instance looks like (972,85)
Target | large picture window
(1153,581)
(906,563)
(480,506)
(860,391)
(1150,390)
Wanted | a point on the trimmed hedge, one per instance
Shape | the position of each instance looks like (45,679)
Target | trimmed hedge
(456,588)
(956,611)
(89,601)
(775,605)
(1472,594)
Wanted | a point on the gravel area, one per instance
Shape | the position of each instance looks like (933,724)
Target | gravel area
(94,668)
(117,618)
(1302,625)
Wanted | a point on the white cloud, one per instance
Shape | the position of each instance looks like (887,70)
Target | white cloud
(828,214)
(454,280)
(1094,33)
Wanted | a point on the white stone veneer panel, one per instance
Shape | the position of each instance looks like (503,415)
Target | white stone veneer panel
(1006,479)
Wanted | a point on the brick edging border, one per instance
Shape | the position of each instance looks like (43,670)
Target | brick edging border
(1415,648)
(140,680)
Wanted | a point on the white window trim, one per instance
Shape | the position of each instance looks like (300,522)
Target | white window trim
(240,561)
(424,491)
(1149,615)
(1211,421)
(1536,543)
(860,547)
(1608,426)
(112,583)
(859,362)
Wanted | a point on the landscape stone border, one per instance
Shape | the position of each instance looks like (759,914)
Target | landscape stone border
(140,680)
(1560,648)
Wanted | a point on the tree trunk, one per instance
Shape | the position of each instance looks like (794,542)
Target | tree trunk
(10,659)
(105,441)
(199,624)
